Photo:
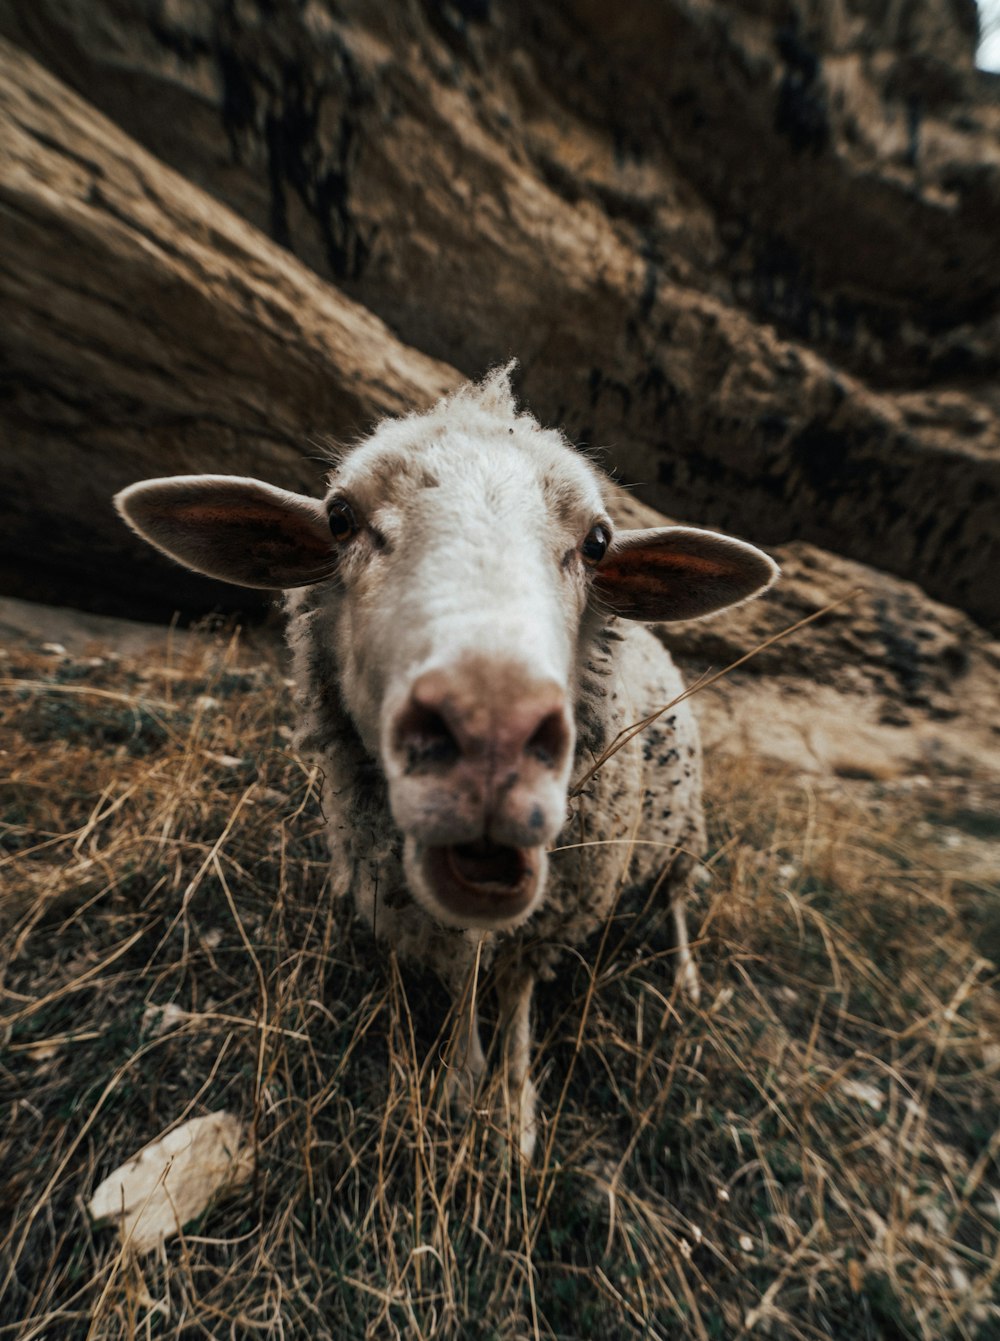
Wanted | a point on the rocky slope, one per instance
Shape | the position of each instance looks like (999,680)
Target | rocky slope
(750,248)
(241,360)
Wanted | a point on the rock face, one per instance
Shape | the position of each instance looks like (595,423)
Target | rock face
(752,248)
(153,331)
(150,331)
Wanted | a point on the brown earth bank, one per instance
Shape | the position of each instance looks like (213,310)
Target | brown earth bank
(751,249)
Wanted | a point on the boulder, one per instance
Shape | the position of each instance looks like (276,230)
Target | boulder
(882,683)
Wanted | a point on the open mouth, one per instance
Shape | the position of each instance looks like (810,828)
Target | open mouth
(484,881)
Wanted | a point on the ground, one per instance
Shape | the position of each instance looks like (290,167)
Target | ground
(812,1152)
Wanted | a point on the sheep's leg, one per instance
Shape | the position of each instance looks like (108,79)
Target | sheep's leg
(686,970)
(515,1022)
(466,1060)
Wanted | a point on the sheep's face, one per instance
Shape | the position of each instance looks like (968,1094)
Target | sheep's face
(459,561)
(461,590)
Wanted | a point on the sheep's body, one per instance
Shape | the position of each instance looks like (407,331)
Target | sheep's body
(636,821)
(462,622)
(639,819)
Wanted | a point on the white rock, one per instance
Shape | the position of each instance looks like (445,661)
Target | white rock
(169,1183)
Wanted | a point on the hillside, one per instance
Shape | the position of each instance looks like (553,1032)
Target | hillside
(810,1153)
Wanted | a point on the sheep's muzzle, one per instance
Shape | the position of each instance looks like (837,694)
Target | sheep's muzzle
(483,881)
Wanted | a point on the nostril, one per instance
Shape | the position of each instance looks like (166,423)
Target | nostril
(549,740)
(424,738)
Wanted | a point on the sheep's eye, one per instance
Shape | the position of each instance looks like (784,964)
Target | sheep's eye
(343,523)
(595,546)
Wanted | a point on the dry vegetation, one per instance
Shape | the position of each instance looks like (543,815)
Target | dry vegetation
(813,1153)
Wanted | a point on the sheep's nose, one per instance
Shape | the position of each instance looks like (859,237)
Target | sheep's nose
(496,718)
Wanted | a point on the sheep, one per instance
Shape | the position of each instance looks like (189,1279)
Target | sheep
(467,640)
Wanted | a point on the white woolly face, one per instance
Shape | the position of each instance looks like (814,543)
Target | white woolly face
(460,594)
(451,564)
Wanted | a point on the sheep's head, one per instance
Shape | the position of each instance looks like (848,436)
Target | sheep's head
(458,563)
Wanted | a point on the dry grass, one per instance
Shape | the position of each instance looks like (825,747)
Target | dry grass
(814,1153)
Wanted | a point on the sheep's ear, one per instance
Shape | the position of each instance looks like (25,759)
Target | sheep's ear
(236,529)
(676,572)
